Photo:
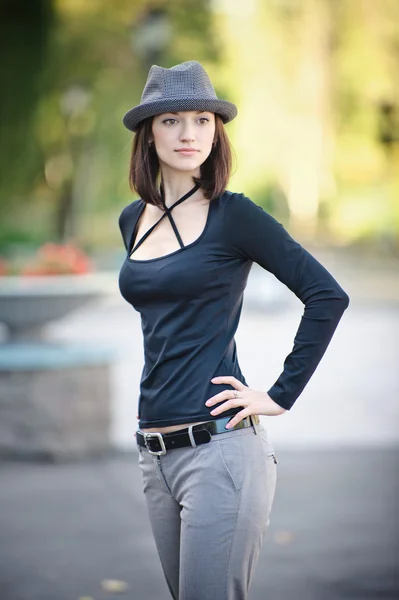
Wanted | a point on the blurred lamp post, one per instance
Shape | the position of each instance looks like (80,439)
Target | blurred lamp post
(75,108)
(388,136)
(150,36)
(388,127)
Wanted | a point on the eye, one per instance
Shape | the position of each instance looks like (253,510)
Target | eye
(200,119)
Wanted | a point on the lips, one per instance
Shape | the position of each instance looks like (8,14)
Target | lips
(187,150)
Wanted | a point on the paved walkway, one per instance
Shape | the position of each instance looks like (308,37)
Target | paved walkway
(333,534)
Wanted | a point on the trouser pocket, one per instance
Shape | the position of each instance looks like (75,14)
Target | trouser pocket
(230,452)
(267,446)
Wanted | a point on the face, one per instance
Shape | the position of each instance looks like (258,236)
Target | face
(173,131)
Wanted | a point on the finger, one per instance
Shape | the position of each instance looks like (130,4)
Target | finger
(137,416)
(238,417)
(225,395)
(238,385)
(226,405)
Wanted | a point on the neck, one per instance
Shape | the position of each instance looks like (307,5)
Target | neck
(174,189)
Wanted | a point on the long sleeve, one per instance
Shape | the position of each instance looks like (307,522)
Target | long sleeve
(255,235)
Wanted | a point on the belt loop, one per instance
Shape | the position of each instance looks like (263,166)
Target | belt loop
(190,435)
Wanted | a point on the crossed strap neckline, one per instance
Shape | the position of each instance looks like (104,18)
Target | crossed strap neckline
(167,213)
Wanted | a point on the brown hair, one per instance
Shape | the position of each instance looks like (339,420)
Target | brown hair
(144,170)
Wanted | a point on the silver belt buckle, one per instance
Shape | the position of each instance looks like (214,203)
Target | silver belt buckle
(159,436)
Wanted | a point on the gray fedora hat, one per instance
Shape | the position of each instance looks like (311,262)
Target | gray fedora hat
(183,87)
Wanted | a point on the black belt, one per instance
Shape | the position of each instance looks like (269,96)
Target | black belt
(194,435)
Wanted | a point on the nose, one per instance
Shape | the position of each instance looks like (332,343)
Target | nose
(187,132)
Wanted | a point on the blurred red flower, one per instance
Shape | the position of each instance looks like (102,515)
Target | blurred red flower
(53,259)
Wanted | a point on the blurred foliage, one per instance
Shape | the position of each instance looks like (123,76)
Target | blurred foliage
(24,38)
(65,154)
(315,81)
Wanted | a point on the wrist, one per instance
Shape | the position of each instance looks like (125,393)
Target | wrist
(280,409)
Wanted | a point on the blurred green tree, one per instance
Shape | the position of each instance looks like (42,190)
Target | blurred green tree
(65,150)
(24,44)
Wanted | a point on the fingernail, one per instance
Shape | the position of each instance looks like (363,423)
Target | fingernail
(208,403)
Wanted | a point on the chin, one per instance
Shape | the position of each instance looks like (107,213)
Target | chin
(184,166)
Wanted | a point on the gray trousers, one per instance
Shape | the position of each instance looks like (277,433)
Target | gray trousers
(209,508)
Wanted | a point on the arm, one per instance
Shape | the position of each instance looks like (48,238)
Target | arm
(255,235)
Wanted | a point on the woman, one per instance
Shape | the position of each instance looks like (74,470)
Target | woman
(208,465)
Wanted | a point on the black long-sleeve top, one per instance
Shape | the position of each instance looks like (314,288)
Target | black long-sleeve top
(190,304)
